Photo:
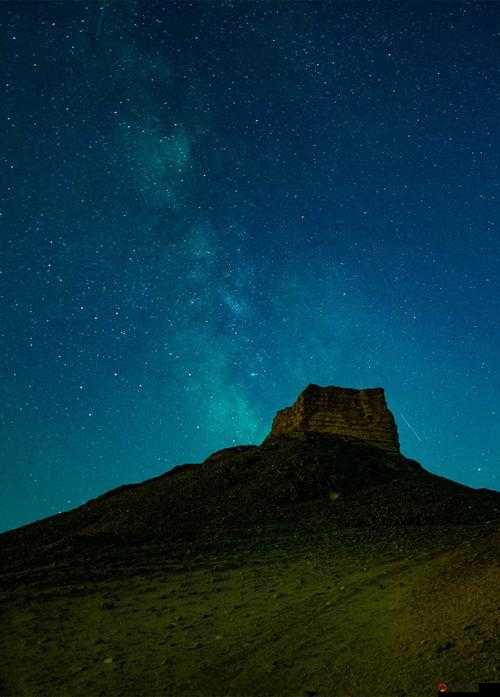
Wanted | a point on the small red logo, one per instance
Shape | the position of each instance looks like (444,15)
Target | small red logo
(442,687)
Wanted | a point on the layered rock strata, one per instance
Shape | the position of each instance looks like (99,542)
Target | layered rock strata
(357,414)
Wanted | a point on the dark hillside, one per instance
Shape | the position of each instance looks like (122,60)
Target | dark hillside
(286,485)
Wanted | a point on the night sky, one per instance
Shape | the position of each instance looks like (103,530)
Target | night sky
(204,207)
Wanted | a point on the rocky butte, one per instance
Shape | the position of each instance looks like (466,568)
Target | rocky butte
(343,411)
(321,562)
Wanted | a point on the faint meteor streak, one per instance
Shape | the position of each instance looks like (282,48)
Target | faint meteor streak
(410,427)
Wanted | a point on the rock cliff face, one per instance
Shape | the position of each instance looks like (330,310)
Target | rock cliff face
(358,414)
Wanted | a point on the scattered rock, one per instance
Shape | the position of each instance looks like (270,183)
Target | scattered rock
(108,660)
(445,647)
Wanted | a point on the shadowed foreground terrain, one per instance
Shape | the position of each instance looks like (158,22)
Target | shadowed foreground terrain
(313,565)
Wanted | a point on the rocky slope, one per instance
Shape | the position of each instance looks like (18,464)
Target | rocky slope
(317,564)
(285,485)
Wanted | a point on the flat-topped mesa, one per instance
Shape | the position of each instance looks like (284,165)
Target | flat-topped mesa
(357,414)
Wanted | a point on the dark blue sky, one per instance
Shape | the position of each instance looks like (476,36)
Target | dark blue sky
(207,206)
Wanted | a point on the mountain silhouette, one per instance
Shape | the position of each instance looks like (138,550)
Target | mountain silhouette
(329,480)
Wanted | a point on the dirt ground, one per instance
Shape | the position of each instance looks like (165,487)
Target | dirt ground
(389,616)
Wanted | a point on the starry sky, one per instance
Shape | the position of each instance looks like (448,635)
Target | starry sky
(206,206)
